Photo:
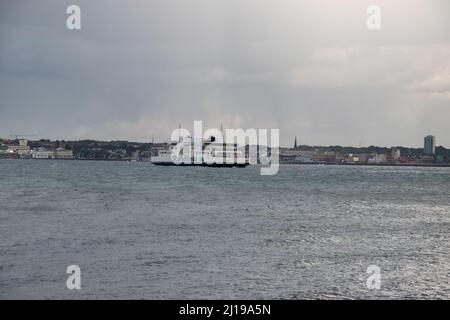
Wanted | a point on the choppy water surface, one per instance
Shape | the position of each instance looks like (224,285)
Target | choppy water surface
(141,231)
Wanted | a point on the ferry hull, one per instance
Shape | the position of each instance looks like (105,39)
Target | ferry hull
(214,165)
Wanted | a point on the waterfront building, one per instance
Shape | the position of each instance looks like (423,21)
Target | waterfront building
(42,153)
(353,158)
(429,145)
(136,156)
(427,159)
(305,157)
(395,155)
(62,153)
(3,149)
(22,149)
(288,155)
(325,157)
(358,158)
(376,158)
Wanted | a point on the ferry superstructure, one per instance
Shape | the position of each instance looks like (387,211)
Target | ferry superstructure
(225,155)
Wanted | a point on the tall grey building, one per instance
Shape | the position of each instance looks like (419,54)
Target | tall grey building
(429,145)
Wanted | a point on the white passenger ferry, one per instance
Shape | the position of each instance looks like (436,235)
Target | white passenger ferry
(229,158)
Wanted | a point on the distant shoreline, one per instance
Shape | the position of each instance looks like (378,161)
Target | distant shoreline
(423,165)
(375,164)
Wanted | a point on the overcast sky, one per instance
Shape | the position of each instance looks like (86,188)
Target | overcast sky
(310,68)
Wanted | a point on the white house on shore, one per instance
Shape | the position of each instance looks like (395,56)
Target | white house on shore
(22,149)
(42,153)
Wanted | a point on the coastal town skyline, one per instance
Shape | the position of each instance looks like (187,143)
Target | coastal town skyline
(430,155)
(295,141)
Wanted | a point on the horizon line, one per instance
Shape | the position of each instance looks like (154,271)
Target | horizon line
(165,142)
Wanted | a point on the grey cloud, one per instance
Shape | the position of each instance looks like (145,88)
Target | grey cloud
(310,68)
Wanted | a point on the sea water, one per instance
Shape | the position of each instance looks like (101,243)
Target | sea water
(141,231)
